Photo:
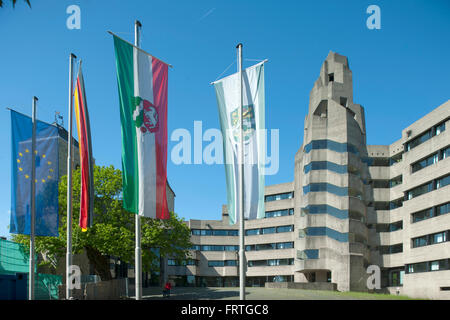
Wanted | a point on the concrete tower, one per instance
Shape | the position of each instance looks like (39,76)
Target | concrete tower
(332,176)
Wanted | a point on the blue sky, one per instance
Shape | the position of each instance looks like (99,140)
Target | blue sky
(400,72)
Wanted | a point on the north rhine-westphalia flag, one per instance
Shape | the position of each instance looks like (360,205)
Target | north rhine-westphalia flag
(86,159)
(142,82)
(228,101)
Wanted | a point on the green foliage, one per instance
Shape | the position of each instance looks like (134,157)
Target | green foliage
(113,230)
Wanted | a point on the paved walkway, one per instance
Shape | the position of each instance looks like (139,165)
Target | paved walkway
(211,293)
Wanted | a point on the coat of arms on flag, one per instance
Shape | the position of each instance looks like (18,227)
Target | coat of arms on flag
(145,115)
(248,123)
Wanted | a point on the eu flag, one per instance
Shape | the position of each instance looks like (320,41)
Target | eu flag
(46,181)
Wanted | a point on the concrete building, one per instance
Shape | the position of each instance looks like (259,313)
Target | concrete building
(350,205)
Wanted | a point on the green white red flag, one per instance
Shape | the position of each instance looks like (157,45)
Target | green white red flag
(142,82)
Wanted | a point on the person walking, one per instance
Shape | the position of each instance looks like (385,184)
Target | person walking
(166,291)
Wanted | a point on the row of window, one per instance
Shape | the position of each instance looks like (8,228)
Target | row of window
(434,131)
(387,183)
(325,187)
(347,147)
(279,196)
(269,230)
(330,145)
(430,239)
(431,159)
(388,205)
(427,266)
(269,246)
(249,232)
(214,232)
(308,254)
(395,248)
(325,165)
(428,187)
(325,208)
(223,263)
(431,212)
(188,262)
(280,213)
(324,231)
(215,247)
(389,227)
(271,262)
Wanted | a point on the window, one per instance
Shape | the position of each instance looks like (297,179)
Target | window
(430,239)
(265,246)
(396,248)
(442,182)
(279,213)
(428,161)
(280,196)
(379,162)
(252,232)
(417,191)
(218,248)
(396,204)
(434,131)
(422,215)
(396,277)
(427,266)
(380,183)
(285,245)
(381,205)
(268,230)
(443,209)
(396,158)
(325,187)
(396,226)
(285,229)
(420,241)
(330,145)
(331,77)
(214,232)
(396,181)
(343,101)
(222,263)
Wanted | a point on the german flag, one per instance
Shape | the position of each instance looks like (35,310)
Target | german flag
(86,159)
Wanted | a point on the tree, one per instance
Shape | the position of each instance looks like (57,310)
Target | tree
(14,3)
(113,229)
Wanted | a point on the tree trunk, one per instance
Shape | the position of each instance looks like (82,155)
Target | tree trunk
(100,263)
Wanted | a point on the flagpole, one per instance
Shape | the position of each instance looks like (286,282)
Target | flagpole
(33,203)
(138,253)
(69,182)
(241,184)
